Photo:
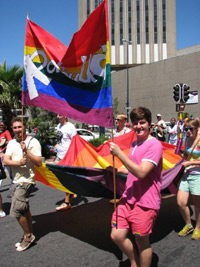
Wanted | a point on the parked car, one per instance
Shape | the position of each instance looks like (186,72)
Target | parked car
(86,134)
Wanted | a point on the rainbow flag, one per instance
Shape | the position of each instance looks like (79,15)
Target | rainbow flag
(72,81)
(87,170)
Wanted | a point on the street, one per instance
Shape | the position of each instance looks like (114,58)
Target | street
(81,235)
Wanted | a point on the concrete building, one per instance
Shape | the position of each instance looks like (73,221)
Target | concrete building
(155,65)
(148,27)
(151,85)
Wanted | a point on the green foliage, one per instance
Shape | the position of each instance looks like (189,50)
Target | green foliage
(10,90)
(45,122)
(46,135)
(98,141)
(184,114)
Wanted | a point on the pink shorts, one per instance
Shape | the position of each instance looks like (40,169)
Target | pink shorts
(139,219)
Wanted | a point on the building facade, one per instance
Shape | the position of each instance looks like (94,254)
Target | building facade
(140,31)
(151,85)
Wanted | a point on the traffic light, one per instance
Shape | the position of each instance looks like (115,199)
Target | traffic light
(177,92)
(185,92)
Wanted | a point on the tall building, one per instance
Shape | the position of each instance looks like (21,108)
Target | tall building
(143,31)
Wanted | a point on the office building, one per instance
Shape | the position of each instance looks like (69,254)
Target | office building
(147,27)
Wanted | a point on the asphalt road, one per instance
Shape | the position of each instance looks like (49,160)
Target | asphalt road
(80,236)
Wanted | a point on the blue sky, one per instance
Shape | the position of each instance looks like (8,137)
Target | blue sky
(60,18)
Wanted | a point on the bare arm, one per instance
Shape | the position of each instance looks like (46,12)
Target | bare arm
(36,160)
(193,163)
(140,171)
(7,160)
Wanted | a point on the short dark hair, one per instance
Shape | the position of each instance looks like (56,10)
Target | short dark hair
(140,113)
(18,119)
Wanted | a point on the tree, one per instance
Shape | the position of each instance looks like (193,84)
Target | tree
(10,90)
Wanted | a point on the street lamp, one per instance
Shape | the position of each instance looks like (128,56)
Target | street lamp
(127,83)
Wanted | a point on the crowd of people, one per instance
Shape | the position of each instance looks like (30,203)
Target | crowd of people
(139,205)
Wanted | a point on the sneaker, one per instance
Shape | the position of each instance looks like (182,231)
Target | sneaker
(19,243)
(196,234)
(2,214)
(186,230)
(64,206)
(26,242)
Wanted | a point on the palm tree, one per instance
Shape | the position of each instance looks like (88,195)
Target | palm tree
(10,90)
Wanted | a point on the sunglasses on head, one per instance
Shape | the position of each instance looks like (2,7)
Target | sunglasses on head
(189,128)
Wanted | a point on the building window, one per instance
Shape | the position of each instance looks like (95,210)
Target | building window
(88,8)
(138,21)
(129,21)
(164,20)
(97,3)
(113,22)
(155,23)
(121,21)
(147,21)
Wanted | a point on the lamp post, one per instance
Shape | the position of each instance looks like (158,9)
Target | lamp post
(127,82)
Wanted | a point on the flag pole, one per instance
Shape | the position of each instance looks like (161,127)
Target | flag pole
(114,175)
(22,114)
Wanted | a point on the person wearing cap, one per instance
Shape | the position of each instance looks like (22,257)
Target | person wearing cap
(160,128)
(160,121)
(120,125)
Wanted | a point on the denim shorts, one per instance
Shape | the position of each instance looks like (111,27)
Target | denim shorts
(20,199)
(190,183)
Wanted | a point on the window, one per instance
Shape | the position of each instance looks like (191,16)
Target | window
(147,21)
(88,8)
(121,21)
(138,21)
(164,20)
(113,22)
(155,23)
(129,21)
(97,3)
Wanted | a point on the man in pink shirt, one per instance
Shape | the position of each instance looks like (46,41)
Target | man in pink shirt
(140,202)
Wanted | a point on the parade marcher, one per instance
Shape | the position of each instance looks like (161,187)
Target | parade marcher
(160,127)
(23,154)
(190,182)
(65,132)
(120,125)
(140,202)
(121,128)
(172,131)
(5,137)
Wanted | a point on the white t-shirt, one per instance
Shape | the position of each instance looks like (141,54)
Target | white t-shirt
(125,130)
(172,130)
(24,173)
(64,134)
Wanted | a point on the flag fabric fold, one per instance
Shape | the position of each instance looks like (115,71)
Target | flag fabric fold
(72,81)
(85,169)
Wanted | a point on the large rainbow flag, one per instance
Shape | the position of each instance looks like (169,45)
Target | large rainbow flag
(76,81)
(86,170)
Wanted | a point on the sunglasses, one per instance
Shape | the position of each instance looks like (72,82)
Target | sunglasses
(117,119)
(189,128)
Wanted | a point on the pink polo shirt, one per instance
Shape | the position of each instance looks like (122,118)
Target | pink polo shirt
(145,192)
